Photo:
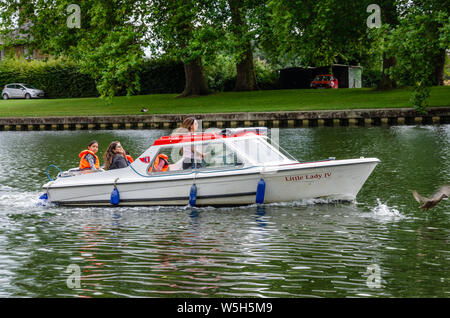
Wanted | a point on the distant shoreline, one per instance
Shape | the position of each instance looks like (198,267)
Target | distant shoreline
(291,119)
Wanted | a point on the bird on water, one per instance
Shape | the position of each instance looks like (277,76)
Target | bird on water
(428,203)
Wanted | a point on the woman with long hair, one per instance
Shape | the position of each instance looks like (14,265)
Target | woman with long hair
(188,126)
(115,156)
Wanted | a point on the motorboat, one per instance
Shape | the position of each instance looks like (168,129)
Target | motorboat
(239,166)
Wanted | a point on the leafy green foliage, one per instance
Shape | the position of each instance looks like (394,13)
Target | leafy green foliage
(64,79)
(159,76)
(106,46)
(57,78)
(221,74)
(184,30)
(319,33)
(416,44)
(266,76)
(219,34)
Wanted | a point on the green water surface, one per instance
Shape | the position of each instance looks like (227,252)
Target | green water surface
(382,245)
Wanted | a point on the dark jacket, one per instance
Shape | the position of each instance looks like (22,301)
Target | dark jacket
(118,162)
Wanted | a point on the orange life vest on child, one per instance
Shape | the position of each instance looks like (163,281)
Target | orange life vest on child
(161,163)
(129,158)
(84,164)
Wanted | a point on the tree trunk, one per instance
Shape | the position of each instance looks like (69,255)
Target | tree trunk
(438,74)
(386,82)
(195,79)
(246,78)
(389,15)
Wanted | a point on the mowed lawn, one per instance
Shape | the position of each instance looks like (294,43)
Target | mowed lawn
(258,101)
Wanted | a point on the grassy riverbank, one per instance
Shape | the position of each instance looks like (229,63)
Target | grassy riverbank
(266,101)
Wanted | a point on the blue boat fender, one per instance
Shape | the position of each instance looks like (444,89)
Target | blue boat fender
(260,191)
(193,195)
(115,196)
(43,199)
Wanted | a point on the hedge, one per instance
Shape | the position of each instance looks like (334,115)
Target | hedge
(63,79)
(58,79)
(161,77)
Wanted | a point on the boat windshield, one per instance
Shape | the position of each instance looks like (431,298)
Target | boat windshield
(226,153)
(213,154)
(260,151)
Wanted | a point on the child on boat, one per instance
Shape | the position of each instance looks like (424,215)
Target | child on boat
(130,159)
(88,158)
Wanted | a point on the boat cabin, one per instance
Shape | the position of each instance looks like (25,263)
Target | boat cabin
(224,149)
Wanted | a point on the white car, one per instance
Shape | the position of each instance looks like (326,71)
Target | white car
(20,90)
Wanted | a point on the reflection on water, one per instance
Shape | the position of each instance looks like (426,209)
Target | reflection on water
(291,249)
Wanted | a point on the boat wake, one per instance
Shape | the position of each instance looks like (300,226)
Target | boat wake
(14,200)
(11,199)
(307,202)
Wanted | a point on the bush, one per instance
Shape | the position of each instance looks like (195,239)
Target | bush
(266,77)
(57,78)
(221,74)
(370,78)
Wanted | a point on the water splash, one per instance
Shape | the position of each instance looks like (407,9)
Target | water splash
(16,201)
(384,212)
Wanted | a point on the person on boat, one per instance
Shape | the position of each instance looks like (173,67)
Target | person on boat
(161,164)
(130,159)
(192,157)
(88,158)
(115,157)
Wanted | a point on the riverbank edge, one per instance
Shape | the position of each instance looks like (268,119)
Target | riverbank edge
(291,119)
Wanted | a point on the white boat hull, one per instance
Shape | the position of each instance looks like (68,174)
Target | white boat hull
(333,180)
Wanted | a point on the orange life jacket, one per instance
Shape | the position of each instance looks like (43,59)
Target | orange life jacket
(161,163)
(84,164)
(129,158)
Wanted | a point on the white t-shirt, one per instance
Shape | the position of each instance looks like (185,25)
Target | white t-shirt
(188,154)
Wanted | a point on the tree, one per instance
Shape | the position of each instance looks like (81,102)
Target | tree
(107,45)
(319,33)
(183,29)
(441,12)
(417,44)
(389,18)
(241,40)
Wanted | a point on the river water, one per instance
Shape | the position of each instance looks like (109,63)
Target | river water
(381,245)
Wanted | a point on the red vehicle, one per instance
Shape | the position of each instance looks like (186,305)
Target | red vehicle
(325,81)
